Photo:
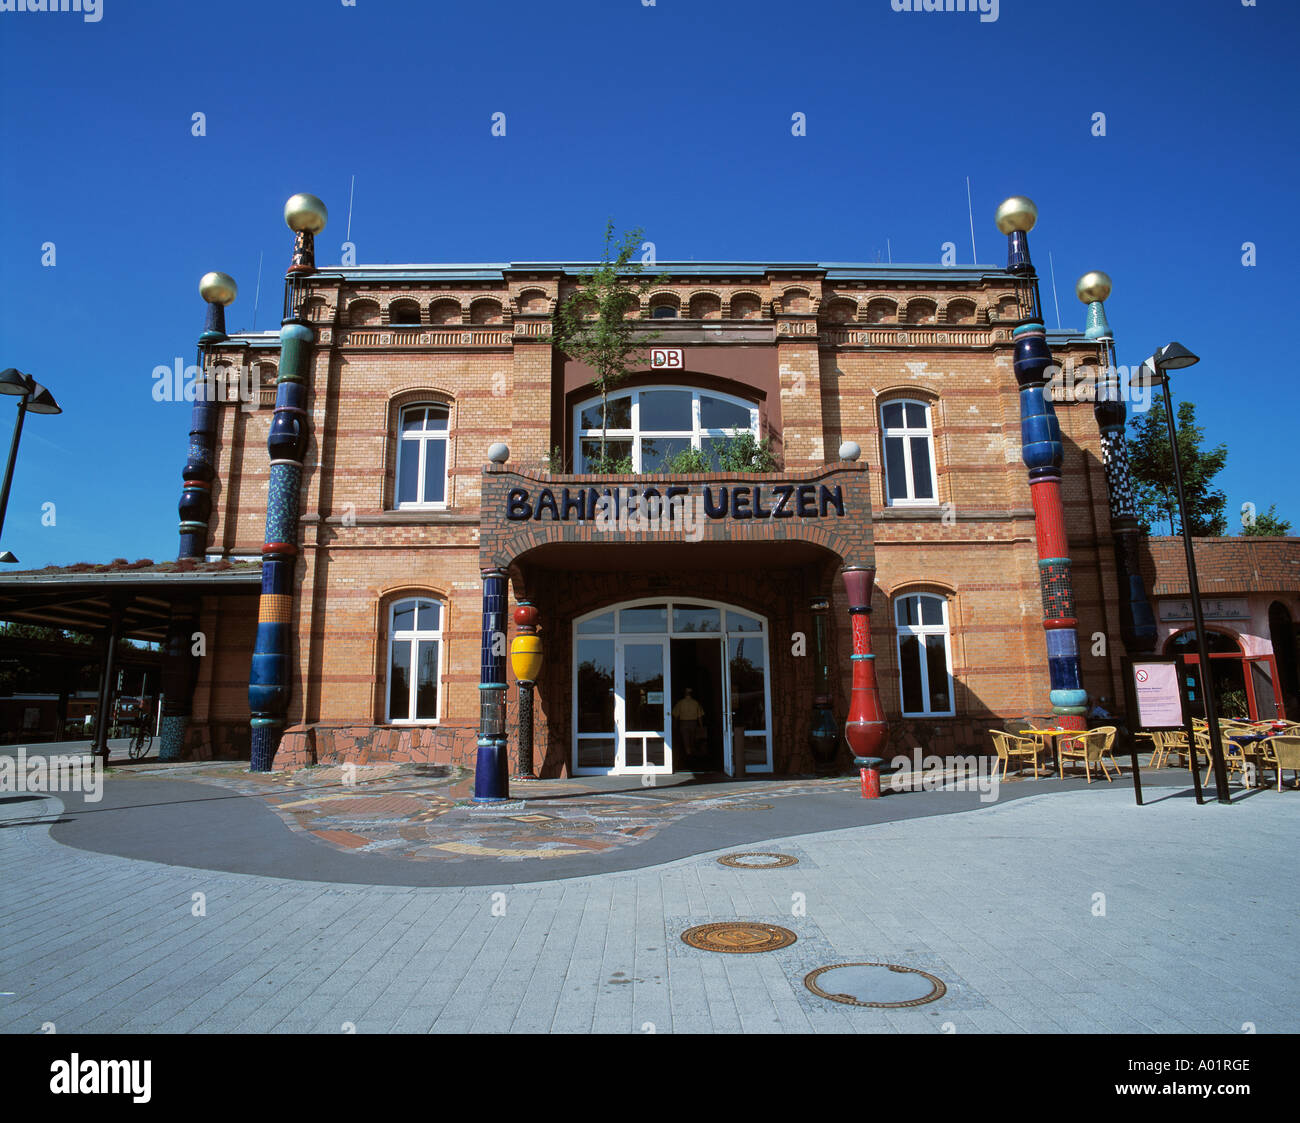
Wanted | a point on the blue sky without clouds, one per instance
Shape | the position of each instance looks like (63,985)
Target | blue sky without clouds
(674,117)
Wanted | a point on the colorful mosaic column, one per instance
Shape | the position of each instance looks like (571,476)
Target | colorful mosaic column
(180,665)
(269,685)
(491,779)
(1040,438)
(1136,620)
(526,660)
(866,729)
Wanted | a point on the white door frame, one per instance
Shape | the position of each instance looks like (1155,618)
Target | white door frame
(666,637)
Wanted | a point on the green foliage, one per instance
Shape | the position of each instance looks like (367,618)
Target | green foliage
(607,464)
(10,630)
(744,453)
(1232,704)
(555,461)
(1267,524)
(686,461)
(1152,465)
(594,325)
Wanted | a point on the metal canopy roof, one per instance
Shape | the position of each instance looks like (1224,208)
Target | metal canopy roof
(83,599)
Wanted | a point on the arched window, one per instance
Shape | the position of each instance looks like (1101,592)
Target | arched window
(924,657)
(653,424)
(422,456)
(414,661)
(909,454)
(403,312)
(663,312)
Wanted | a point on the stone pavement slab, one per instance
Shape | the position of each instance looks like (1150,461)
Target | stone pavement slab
(1069,910)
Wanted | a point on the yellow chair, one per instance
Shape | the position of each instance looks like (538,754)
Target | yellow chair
(1092,747)
(1011,746)
(1282,752)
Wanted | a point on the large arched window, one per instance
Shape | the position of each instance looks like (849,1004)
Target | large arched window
(653,424)
(924,655)
(414,661)
(422,456)
(909,454)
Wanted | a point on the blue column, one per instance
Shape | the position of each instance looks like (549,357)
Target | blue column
(491,772)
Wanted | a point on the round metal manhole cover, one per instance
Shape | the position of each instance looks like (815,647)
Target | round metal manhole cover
(758,860)
(875,984)
(744,807)
(738,937)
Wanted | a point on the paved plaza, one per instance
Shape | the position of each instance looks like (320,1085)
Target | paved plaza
(193,899)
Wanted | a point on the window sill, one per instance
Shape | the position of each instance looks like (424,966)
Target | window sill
(446,516)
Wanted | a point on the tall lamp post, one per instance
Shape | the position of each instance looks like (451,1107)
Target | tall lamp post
(34,398)
(1174,356)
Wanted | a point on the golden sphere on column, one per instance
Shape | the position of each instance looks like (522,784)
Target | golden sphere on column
(1017,213)
(218,288)
(1093,286)
(305,212)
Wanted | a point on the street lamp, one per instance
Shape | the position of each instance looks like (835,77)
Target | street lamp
(1174,356)
(33,397)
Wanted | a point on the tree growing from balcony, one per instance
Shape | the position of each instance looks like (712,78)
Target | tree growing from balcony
(597,325)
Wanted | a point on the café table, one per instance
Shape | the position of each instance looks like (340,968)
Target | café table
(1051,746)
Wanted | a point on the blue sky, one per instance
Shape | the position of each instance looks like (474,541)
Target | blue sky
(675,117)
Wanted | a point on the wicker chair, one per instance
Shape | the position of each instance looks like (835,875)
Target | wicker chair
(1092,748)
(1282,752)
(1011,746)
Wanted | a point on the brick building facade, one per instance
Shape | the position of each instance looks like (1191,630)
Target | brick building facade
(416,370)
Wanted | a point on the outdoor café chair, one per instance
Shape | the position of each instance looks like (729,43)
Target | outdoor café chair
(1092,747)
(1013,745)
(1283,752)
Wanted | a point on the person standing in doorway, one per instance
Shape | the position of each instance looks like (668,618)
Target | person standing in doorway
(689,715)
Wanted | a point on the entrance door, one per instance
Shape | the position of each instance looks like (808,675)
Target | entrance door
(632,665)
(700,713)
(645,744)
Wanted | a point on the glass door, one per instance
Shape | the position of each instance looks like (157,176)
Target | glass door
(645,741)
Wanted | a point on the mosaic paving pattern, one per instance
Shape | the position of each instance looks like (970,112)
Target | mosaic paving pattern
(426,813)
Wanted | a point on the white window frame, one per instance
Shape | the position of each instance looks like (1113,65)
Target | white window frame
(422,440)
(921,631)
(905,433)
(413,637)
(697,433)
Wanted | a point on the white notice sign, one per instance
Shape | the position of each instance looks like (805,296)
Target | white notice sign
(1155,686)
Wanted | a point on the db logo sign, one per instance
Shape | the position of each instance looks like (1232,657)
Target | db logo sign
(666,358)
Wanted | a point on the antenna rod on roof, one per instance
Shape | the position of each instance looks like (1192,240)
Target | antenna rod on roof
(974,256)
(348,236)
(1054,297)
(891,251)
(258,294)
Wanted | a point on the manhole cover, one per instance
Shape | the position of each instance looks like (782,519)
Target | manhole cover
(744,807)
(738,937)
(758,861)
(874,984)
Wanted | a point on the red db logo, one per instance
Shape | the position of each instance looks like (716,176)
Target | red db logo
(666,358)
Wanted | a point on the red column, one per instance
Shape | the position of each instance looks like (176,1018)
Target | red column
(866,728)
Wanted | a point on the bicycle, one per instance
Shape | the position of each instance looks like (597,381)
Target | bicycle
(141,741)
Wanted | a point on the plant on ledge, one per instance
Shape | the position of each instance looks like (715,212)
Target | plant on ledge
(743,453)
